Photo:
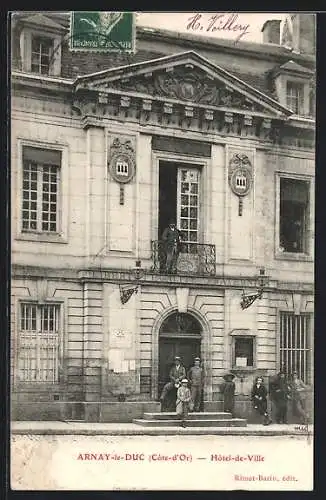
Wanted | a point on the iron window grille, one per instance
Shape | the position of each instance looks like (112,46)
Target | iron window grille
(295,350)
(38,343)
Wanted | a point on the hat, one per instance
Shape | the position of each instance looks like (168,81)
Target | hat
(177,357)
(184,381)
(197,359)
(228,375)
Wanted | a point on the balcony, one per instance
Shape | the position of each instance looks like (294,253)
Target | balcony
(192,259)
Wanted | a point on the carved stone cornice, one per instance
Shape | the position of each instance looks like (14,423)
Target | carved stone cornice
(116,275)
(96,105)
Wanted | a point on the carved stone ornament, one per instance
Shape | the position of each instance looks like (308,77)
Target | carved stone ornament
(122,165)
(240,177)
(240,174)
(187,84)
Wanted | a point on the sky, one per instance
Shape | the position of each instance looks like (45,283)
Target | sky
(204,25)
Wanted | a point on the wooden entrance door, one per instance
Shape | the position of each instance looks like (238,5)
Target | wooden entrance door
(186,348)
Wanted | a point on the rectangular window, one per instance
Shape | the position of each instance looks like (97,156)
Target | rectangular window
(295,97)
(40,190)
(42,49)
(294,211)
(243,352)
(295,350)
(38,343)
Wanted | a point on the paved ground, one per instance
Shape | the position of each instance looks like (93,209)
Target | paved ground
(180,462)
(114,429)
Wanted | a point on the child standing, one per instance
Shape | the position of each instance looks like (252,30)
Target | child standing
(183,401)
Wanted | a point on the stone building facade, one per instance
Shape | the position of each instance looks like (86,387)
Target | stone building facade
(108,148)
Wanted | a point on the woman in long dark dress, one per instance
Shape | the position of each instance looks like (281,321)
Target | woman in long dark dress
(259,399)
(227,390)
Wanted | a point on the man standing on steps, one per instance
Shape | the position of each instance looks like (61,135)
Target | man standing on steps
(177,373)
(196,378)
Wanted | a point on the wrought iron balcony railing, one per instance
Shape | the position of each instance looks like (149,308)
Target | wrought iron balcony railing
(189,259)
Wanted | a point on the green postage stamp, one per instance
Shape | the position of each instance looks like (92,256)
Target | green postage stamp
(102,31)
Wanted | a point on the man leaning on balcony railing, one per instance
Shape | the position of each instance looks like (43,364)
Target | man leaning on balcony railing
(171,242)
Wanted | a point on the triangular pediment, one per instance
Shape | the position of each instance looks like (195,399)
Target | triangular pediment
(294,67)
(42,21)
(187,78)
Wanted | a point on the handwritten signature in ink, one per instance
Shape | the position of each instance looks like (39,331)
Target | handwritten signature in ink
(218,22)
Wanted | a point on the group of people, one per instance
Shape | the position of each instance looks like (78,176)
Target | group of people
(281,390)
(188,398)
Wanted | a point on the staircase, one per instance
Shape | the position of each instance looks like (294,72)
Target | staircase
(200,419)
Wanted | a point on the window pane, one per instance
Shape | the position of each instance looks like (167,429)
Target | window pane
(44,70)
(44,59)
(184,199)
(184,223)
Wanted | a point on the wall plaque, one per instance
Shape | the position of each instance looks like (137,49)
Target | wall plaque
(240,177)
(122,165)
(181,146)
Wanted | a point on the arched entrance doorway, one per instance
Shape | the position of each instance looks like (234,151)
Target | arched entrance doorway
(180,335)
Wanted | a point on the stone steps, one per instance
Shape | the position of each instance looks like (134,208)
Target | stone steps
(194,419)
(223,422)
(191,416)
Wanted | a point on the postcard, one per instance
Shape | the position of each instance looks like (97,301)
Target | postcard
(162,214)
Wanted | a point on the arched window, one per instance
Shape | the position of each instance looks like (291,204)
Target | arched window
(180,323)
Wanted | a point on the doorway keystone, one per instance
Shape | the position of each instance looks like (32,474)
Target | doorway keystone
(182,299)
